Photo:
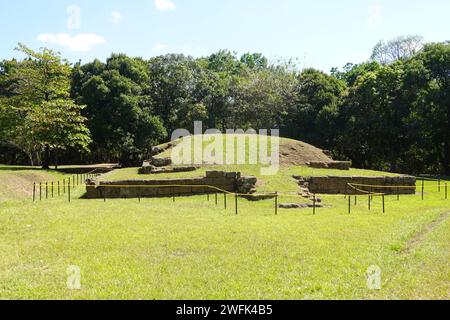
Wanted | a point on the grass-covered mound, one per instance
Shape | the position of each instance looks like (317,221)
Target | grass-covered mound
(292,152)
(294,155)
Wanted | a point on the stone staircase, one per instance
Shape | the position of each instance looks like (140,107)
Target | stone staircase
(304,193)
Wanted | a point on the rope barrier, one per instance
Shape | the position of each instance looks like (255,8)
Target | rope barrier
(213,189)
(364,191)
(385,187)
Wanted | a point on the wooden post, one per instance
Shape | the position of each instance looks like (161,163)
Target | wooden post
(46,190)
(276,203)
(52,189)
(64,186)
(314,204)
(173,194)
(369,201)
(439,185)
(225,200)
(356,200)
(40,190)
(59,189)
(349,205)
(398,194)
(216,198)
(236,202)
(446,195)
(68,190)
(34,191)
(383,202)
(423,188)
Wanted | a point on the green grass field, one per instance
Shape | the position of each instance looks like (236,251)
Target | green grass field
(193,249)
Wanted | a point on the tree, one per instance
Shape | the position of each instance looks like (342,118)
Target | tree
(37,113)
(401,48)
(121,113)
(373,117)
(254,61)
(429,80)
(315,108)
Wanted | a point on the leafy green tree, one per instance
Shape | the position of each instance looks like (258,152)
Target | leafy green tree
(37,113)
(315,108)
(373,117)
(429,79)
(255,61)
(121,114)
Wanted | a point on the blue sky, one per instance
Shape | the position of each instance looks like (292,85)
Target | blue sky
(320,33)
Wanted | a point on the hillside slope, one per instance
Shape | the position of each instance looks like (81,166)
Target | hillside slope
(292,152)
(16,183)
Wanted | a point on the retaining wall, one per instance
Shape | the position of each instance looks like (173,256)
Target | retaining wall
(339,165)
(228,181)
(339,185)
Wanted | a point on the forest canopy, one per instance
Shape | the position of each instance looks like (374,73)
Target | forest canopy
(389,113)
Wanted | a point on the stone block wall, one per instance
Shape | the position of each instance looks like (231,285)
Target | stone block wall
(148,168)
(228,181)
(339,165)
(339,185)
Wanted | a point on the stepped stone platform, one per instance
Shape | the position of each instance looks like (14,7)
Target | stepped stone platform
(339,185)
(213,182)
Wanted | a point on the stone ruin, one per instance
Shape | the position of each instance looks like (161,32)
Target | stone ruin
(338,165)
(340,185)
(148,168)
(213,182)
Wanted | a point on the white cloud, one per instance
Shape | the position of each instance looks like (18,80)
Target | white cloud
(80,42)
(165,5)
(116,17)
(375,16)
(159,47)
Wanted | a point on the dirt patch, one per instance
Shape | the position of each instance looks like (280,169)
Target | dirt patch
(19,185)
(297,153)
(418,238)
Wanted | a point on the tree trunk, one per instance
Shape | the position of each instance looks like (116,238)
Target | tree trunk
(30,157)
(46,160)
(56,158)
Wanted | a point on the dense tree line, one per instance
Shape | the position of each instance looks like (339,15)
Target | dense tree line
(390,113)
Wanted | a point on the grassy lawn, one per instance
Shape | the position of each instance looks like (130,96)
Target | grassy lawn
(191,249)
